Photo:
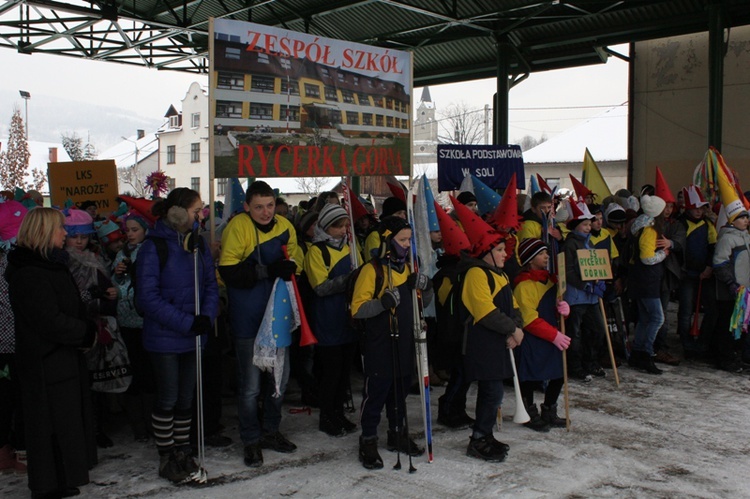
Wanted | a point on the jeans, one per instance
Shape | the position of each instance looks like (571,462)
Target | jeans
(489,398)
(249,379)
(650,319)
(687,295)
(660,343)
(175,381)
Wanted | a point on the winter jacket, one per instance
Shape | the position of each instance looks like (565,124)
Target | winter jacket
(166,295)
(647,267)
(127,315)
(731,262)
(577,291)
(675,232)
(699,244)
(7,327)
(51,332)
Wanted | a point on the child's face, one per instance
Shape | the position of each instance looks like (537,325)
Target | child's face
(584,227)
(596,223)
(741,223)
(134,232)
(338,230)
(540,261)
(79,241)
(696,213)
(497,256)
(115,246)
(436,236)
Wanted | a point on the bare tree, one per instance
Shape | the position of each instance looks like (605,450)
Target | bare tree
(14,161)
(529,142)
(459,124)
(311,185)
(130,176)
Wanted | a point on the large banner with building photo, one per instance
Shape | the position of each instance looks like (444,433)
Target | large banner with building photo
(289,104)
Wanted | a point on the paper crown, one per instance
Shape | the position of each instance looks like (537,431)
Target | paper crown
(731,200)
(482,236)
(487,199)
(429,198)
(506,215)
(662,188)
(581,190)
(693,197)
(454,239)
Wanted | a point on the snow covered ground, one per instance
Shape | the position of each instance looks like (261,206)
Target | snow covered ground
(683,434)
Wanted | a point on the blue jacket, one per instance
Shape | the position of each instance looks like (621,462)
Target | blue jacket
(167,295)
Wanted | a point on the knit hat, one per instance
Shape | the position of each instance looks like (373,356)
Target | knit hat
(529,248)
(662,188)
(693,197)
(392,205)
(481,235)
(506,214)
(330,214)
(578,213)
(138,218)
(388,228)
(108,231)
(78,222)
(11,216)
(454,239)
(652,206)
(466,197)
(615,214)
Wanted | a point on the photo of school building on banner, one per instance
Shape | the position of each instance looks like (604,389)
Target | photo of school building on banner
(288,104)
(493,165)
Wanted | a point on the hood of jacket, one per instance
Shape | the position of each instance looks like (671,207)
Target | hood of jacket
(641,222)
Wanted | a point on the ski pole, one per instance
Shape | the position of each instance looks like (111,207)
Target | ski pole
(201,476)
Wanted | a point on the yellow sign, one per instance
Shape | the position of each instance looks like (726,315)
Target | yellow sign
(594,264)
(84,181)
(562,283)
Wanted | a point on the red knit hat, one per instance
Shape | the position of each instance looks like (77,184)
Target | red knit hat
(481,235)
(662,188)
(506,213)
(581,190)
(454,239)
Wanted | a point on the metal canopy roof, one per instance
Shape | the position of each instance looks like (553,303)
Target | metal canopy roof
(452,40)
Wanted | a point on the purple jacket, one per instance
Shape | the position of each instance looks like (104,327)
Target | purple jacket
(167,295)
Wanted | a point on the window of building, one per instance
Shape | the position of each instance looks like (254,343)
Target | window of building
(285,63)
(170,155)
(331,94)
(312,90)
(290,86)
(335,117)
(356,80)
(293,112)
(230,81)
(352,118)
(228,109)
(262,84)
(260,111)
(232,53)
(174,121)
(363,99)
(378,120)
(341,77)
(263,58)
(348,96)
(221,186)
(324,72)
(195,183)
(195,120)
(367,119)
(195,152)
(389,121)
(388,103)
(171,183)
(378,100)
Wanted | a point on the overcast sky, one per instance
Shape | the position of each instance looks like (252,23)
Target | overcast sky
(545,103)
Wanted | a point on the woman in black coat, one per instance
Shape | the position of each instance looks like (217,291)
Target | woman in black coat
(51,336)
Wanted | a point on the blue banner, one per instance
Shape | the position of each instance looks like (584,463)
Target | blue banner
(493,165)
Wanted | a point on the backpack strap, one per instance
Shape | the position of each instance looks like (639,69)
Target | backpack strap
(326,253)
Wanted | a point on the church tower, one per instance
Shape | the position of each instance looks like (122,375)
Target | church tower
(425,130)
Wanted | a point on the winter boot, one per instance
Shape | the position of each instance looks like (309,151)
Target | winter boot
(536,423)
(486,448)
(549,414)
(650,367)
(20,466)
(330,426)
(7,458)
(637,359)
(403,443)
(185,460)
(170,468)
(253,455)
(451,418)
(347,425)
(368,453)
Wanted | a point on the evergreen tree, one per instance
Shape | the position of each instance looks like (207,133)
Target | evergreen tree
(14,160)
(73,145)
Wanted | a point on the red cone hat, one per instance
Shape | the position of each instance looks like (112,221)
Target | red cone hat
(481,235)
(454,239)
(141,205)
(506,213)
(397,190)
(662,188)
(543,185)
(358,209)
(581,190)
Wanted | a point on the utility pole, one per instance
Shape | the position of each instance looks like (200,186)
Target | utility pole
(486,124)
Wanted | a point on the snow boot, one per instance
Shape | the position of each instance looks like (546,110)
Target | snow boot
(451,418)
(650,367)
(536,423)
(253,455)
(549,414)
(403,443)
(368,453)
(169,467)
(330,426)
(487,449)
(185,460)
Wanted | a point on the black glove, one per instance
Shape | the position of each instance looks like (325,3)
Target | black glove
(283,269)
(390,299)
(201,325)
(419,281)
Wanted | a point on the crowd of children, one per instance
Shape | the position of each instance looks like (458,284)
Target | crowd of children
(493,294)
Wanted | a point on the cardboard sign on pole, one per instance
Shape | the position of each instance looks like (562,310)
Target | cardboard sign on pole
(84,181)
(594,264)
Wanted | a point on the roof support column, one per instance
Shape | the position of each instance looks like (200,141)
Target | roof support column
(500,114)
(716,52)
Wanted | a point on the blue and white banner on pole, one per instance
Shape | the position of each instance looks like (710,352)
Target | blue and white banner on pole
(493,165)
